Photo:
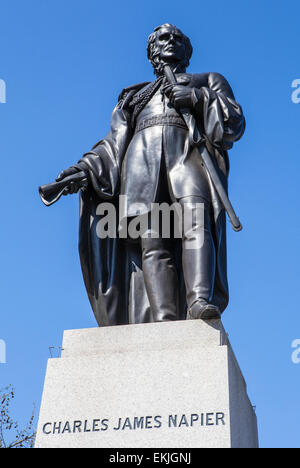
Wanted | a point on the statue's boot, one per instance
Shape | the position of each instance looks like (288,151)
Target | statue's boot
(199,259)
(204,311)
(161,279)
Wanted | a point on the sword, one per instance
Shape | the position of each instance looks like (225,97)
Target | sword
(196,139)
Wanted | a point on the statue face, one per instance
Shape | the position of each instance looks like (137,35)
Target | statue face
(169,41)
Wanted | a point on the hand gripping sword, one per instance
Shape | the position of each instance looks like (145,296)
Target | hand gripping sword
(196,139)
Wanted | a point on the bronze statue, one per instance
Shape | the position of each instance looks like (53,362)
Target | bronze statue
(168,143)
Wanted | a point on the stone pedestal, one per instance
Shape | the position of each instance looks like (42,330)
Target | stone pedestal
(160,385)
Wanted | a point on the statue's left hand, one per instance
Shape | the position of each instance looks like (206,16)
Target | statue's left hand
(180,96)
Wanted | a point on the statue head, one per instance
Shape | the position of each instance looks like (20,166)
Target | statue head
(168,45)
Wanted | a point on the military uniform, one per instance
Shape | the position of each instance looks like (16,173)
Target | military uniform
(147,157)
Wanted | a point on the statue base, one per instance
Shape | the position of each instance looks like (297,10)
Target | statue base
(156,385)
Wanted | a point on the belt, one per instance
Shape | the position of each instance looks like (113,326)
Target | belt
(161,119)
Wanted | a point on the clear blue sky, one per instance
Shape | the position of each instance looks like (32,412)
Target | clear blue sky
(64,63)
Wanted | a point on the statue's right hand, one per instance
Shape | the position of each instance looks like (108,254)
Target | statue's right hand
(66,173)
(77,179)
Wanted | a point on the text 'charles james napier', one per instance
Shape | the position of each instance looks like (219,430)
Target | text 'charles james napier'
(135,423)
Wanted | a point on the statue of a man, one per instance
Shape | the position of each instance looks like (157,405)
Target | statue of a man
(147,157)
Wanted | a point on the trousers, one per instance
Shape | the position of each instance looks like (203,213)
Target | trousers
(198,263)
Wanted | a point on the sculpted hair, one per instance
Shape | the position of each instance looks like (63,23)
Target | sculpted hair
(153,51)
